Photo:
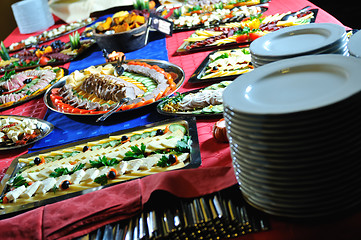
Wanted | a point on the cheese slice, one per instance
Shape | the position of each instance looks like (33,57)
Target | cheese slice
(14,194)
(30,190)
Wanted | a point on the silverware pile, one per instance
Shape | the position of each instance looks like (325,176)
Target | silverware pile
(220,215)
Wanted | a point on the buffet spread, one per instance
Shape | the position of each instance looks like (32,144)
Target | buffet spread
(120,118)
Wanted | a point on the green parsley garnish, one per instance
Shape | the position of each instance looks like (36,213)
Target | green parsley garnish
(135,152)
(54,189)
(19,181)
(163,162)
(60,171)
(102,180)
(184,145)
(104,161)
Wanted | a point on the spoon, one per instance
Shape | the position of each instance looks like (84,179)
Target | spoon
(287,16)
(114,109)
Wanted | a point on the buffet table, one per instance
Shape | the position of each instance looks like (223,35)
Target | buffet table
(215,173)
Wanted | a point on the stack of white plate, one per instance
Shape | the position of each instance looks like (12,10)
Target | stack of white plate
(354,45)
(310,39)
(295,135)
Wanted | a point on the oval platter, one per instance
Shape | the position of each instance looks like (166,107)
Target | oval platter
(207,111)
(175,71)
(36,92)
(45,128)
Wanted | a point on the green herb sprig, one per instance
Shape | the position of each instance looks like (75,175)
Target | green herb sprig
(163,162)
(135,152)
(60,171)
(102,179)
(104,161)
(4,54)
(184,145)
(19,181)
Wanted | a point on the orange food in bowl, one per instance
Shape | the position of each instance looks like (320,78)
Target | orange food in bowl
(121,23)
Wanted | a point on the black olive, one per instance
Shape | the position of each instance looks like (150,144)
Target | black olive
(2,91)
(85,148)
(172,158)
(28,80)
(215,68)
(124,138)
(159,132)
(37,160)
(65,185)
(112,174)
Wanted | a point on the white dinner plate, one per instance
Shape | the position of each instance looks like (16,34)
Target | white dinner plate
(293,85)
(354,45)
(298,40)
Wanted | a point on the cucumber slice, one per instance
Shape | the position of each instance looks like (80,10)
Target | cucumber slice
(96,147)
(135,137)
(218,108)
(175,127)
(145,134)
(105,145)
(207,109)
(114,143)
(144,79)
(148,83)
(197,112)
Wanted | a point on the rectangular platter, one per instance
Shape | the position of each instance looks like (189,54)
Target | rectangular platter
(125,168)
(196,77)
(185,47)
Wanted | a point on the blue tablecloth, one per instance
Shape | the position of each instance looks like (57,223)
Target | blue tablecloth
(68,129)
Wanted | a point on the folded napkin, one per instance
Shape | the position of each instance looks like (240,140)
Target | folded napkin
(79,215)
(24,226)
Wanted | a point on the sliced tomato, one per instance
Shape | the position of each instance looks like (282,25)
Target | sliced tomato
(55,90)
(53,97)
(83,111)
(43,60)
(74,110)
(254,35)
(242,38)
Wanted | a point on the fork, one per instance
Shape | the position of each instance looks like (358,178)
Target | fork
(114,109)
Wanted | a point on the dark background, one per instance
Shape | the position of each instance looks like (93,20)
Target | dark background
(347,12)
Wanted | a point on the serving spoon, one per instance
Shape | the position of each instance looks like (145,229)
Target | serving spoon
(288,16)
(114,109)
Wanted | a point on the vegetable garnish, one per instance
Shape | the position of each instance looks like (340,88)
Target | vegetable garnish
(65,184)
(104,161)
(184,145)
(135,152)
(75,40)
(167,161)
(19,181)
(4,54)
(64,171)
(112,173)
(102,180)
